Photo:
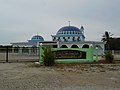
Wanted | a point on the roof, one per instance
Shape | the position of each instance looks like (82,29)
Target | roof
(69,28)
(37,37)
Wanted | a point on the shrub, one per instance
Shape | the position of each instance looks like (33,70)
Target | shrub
(109,57)
(48,57)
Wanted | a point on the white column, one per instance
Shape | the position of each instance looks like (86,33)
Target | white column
(58,45)
(12,49)
(29,50)
(20,50)
(38,51)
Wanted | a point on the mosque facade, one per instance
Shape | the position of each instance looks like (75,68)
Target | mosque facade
(66,37)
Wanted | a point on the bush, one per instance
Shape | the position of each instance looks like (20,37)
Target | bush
(48,57)
(109,57)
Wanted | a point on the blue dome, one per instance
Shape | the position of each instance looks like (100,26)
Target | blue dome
(69,30)
(37,38)
(69,34)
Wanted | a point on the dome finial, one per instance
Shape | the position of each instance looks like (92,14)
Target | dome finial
(69,23)
(37,33)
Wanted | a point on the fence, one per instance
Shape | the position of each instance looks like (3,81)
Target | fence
(26,54)
(116,52)
(19,54)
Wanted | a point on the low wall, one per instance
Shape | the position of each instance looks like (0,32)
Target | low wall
(70,55)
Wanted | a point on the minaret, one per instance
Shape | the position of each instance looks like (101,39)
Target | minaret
(69,23)
(82,29)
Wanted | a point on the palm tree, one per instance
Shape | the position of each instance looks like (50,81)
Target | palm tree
(108,55)
(106,39)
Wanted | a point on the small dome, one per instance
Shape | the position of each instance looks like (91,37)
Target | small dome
(37,38)
(69,30)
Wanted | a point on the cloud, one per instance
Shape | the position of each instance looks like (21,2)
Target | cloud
(21,19)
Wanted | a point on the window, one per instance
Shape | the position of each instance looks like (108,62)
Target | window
(73,38)
(85,46)
(78,39)
(58,38)
(54,38)
(63,37)
(73,32)
(74,46)
(63,46)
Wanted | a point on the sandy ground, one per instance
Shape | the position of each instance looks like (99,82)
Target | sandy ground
(28,76)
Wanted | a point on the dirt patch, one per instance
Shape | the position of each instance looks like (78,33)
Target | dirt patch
(28,76)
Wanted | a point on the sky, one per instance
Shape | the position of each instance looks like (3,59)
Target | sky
(22,19)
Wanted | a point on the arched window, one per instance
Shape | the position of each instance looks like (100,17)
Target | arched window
(73,38)
(64,46)
(73,32)
(67,32)
(85,46)
(74,46)
(58,38)
(76,32)
(78,39)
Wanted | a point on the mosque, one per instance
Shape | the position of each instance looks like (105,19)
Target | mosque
(66,37)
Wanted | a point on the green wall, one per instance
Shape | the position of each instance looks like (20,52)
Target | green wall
(88,59)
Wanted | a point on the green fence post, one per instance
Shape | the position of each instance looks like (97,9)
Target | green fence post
(40,57)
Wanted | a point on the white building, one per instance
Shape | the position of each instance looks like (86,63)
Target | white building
(29,47)
(66,37)
(73,37)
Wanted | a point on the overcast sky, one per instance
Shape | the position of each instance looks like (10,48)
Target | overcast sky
(21,19)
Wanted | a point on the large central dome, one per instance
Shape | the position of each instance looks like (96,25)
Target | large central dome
(69,30)
(69,34)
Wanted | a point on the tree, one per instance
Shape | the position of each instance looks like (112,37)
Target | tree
(108,55)
(48,56)
(106,39)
